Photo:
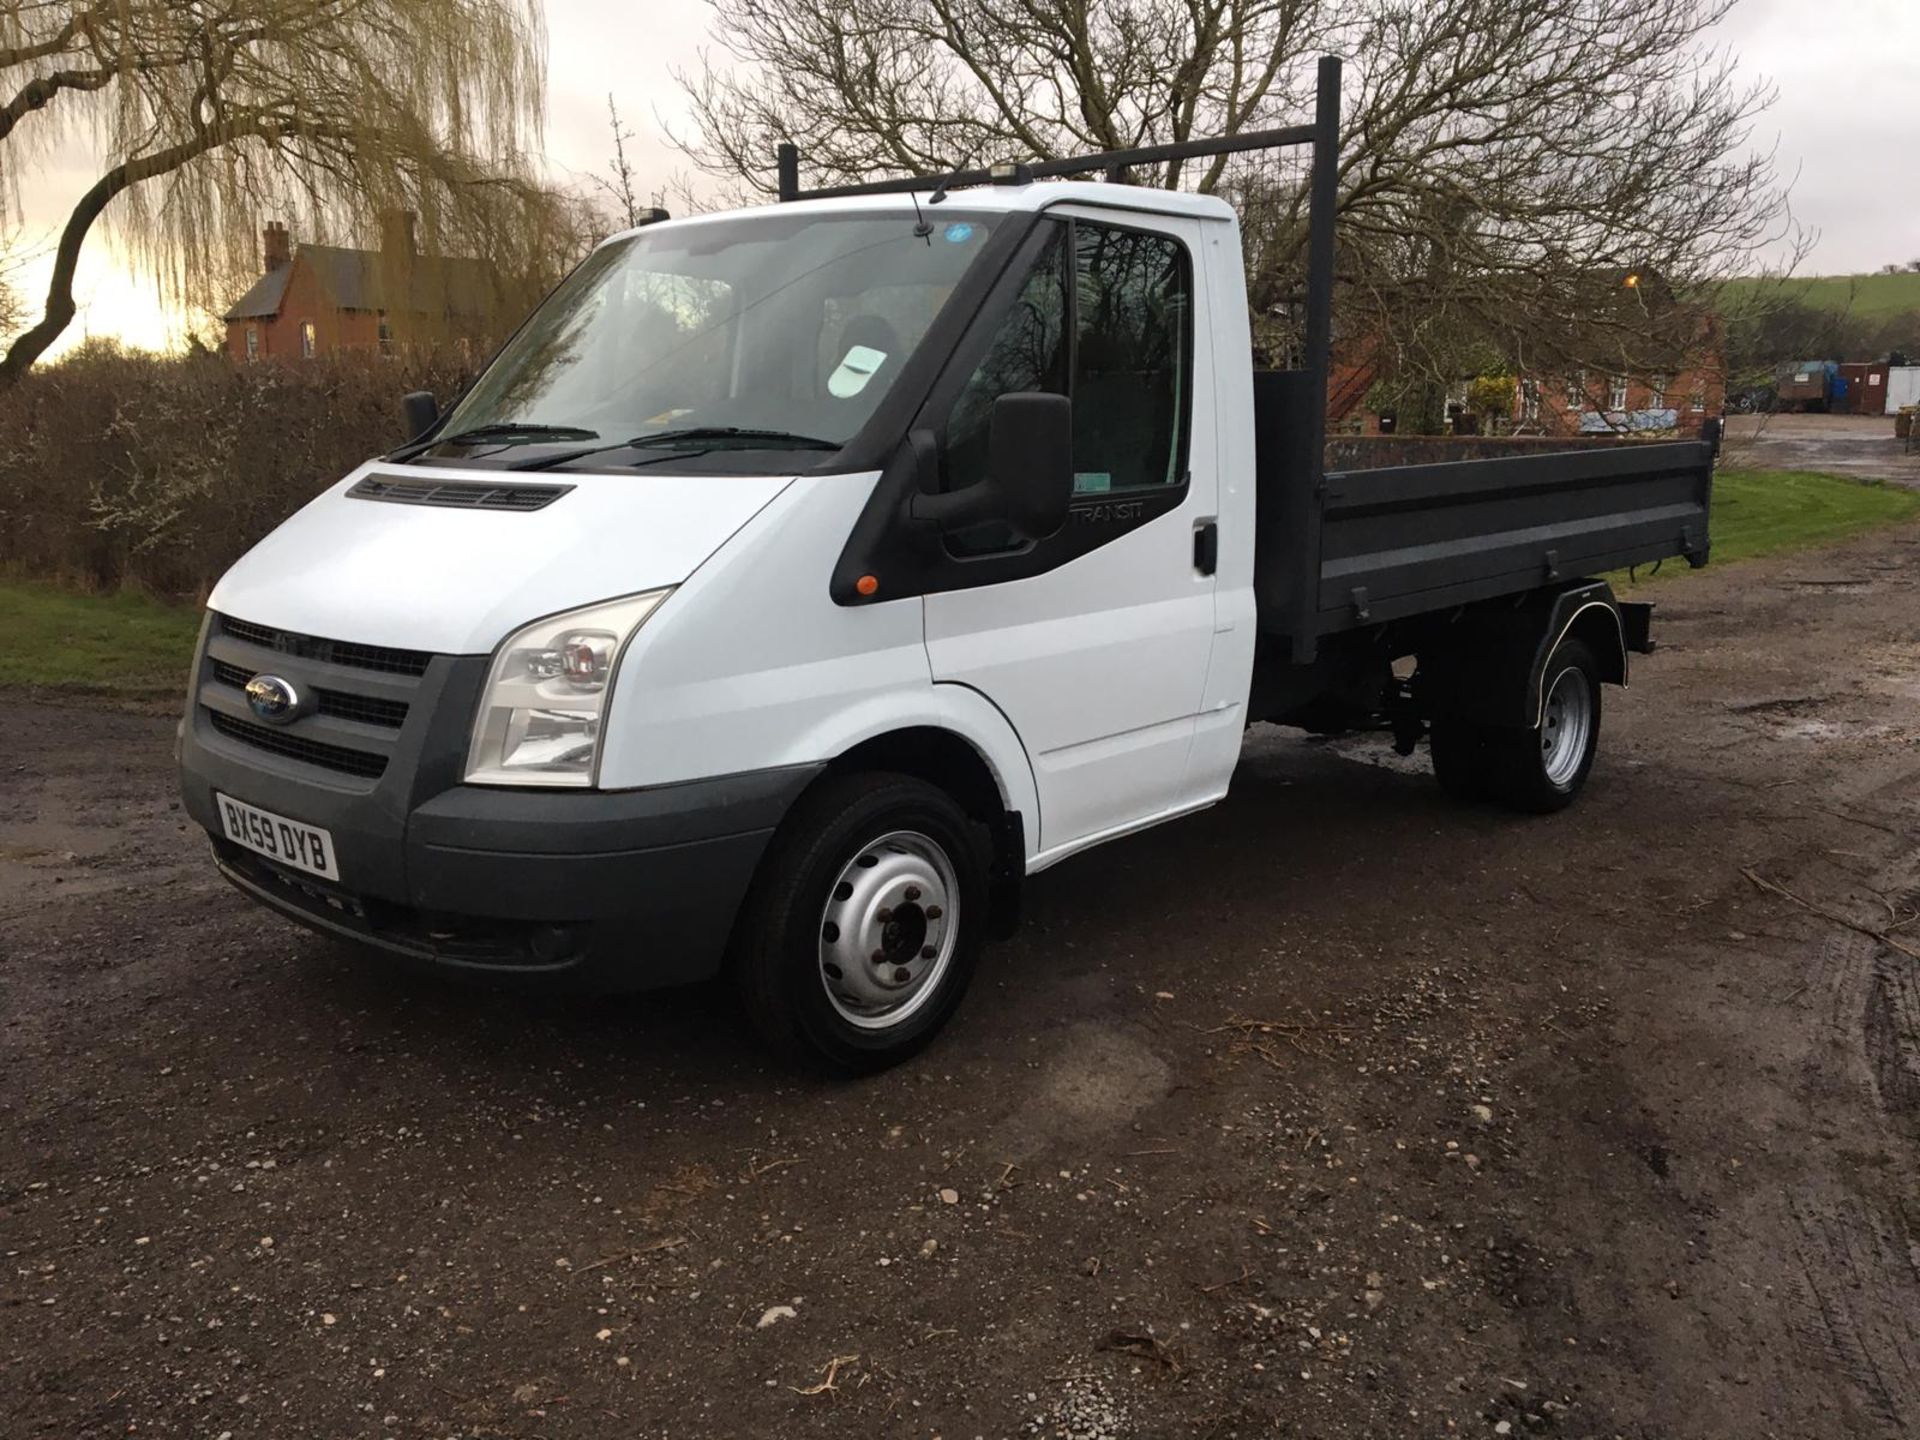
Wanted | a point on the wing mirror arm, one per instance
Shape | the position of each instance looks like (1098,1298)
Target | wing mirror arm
(936,509)
(959,507)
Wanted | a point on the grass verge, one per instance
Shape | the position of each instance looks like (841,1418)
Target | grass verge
(128,646)
(1767,512)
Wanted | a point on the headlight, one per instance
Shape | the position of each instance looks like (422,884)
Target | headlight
(539,721)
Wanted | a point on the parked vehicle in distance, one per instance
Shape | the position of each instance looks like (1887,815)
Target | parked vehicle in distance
(1805,385)
(800,580)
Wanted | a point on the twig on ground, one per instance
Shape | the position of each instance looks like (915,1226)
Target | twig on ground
(830,1382)
(1269,1027)
(1856,820)
(672,1242)
(1240,1279)
(1873,932)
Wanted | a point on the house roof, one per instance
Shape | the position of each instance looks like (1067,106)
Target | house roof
(361,279)
(263,299)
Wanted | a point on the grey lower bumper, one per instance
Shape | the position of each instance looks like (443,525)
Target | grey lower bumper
(607,891)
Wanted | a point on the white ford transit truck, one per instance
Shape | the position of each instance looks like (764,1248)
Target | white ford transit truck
(798,580)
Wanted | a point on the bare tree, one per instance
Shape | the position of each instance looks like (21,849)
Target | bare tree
(1542,180)
(617,185)
(204,113)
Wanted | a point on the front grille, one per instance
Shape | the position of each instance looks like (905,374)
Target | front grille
(298,747)
(457,494)
(367,709)
(385,658)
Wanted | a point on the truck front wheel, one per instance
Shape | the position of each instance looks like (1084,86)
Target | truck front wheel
(865,923)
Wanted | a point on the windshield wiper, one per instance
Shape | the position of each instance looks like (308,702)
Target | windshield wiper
(512,430)
(698,438)
(777,439)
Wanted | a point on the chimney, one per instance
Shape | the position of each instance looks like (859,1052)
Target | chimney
(276,246)
(397,235)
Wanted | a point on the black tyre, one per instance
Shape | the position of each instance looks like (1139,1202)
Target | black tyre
(864,925)
(1540,770)
(1460,758)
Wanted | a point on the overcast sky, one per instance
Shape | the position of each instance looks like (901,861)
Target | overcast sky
(1848,76)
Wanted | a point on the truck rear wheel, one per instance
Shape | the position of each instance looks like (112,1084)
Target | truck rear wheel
(1541,770)
(864,926)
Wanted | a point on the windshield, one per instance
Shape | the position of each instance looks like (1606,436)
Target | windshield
(791,326)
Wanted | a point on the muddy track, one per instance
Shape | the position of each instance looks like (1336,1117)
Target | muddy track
(1339,1111)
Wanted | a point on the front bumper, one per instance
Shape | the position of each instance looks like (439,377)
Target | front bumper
(604,891)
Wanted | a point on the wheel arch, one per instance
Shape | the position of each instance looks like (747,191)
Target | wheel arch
(1587,614)
(1489,666)
(980,763)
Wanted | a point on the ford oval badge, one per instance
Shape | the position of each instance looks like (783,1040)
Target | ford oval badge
(274,700)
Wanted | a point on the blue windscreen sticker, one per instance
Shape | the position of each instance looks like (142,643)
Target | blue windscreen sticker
(959,234)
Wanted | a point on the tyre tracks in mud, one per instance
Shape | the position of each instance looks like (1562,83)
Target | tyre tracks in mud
(1854,1230)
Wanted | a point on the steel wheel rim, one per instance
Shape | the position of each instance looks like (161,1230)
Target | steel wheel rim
(1565,726)
(888,930)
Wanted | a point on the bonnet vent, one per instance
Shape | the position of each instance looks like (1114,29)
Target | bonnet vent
(456,494)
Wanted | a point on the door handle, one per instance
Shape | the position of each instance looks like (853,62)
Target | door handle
(1206,546)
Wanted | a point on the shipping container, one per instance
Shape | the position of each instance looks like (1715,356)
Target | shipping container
(1903,388)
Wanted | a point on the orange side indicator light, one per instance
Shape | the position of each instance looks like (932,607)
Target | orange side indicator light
(867,585)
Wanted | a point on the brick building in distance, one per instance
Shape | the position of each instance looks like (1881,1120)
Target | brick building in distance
(313,300)
(1686,389)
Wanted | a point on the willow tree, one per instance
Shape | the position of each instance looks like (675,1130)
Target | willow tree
(203,114)
(1507,165)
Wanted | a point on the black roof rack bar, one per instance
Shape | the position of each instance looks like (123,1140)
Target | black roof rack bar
(1107,160)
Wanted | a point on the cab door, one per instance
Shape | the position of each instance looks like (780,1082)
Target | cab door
(1095,644)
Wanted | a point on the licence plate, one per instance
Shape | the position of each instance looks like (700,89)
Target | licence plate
(305,847)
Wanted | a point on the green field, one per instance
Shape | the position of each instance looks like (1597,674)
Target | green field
(121,645)
(1871,297)
(135,648)
(1766,512)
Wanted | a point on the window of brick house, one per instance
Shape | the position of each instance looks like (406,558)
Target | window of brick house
(386,334)
(308,340)
(253,343)
(1577,391)
(1529,402)
(1658,399)
(1617,393)
(1697,402)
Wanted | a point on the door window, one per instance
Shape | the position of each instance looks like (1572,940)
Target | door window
(1028,352)
(1131,304)
(1119,345)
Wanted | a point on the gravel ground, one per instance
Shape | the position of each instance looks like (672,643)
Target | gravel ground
(1338,1111)
(1861,447)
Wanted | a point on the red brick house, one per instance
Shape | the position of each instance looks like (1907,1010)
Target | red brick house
(1593,402)
(324,299)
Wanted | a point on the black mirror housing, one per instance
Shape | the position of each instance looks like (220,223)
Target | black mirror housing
(420,411)
(1030,457)
(1029,482)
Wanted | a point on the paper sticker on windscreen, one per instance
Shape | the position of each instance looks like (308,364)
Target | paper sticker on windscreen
(859,367)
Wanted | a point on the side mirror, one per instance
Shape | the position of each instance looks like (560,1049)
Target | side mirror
(421,412)
(1029,480)
(1030,456)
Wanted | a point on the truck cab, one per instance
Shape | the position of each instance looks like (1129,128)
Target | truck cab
(536,696)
